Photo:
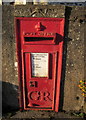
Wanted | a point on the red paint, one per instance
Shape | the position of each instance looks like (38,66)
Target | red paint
(39,35)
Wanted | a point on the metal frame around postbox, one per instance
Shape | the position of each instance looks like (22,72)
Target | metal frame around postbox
(20,58)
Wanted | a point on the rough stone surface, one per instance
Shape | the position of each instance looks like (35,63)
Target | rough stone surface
(43,114)
(40,11)
(10,83)
(74,70)
(73,56)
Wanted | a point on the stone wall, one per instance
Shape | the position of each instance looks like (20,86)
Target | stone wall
(73,56)
(10,83)
(73,100)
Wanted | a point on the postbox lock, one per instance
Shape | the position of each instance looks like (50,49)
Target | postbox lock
(40,27)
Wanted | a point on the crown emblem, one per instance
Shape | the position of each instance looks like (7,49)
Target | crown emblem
(39,27)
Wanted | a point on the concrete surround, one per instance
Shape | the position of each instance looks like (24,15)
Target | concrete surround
(73,56)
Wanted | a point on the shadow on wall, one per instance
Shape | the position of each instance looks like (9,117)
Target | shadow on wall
(9,95)
(66,40)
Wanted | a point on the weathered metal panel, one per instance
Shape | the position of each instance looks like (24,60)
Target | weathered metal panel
(40,61)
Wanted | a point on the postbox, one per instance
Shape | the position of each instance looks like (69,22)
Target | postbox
(39,51)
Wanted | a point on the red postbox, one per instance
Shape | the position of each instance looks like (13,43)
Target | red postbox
(39,50)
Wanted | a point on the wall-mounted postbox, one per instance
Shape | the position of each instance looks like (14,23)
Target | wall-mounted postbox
(39,50)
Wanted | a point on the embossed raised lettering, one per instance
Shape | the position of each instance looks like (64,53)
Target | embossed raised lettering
(34,95)
(46,96)
(39,95)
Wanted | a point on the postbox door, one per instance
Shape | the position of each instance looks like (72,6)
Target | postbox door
(40,73)
(39,50)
